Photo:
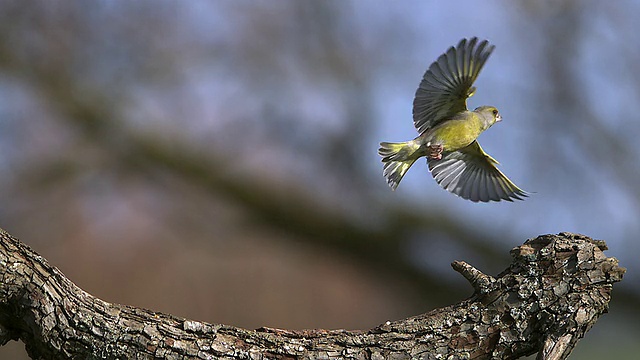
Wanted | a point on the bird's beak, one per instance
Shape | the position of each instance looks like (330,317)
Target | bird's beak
(498,118)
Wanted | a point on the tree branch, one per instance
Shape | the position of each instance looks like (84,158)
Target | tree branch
(552,293)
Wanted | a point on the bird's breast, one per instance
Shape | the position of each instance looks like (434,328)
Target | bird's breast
(455,134)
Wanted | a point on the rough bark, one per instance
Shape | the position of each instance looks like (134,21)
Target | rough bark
(552,293)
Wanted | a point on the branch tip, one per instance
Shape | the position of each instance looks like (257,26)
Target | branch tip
(480,281)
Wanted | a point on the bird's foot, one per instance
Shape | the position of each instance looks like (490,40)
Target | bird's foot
(435,152)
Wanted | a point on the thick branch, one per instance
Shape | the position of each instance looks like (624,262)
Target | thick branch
(553,292)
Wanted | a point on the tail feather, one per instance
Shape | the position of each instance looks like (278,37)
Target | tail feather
(397,158)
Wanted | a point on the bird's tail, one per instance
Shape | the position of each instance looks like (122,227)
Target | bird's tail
(397,158)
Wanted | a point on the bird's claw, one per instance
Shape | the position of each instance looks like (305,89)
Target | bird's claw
(435,152)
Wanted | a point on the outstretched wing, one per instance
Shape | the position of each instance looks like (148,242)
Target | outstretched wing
(448,82)
(472,174)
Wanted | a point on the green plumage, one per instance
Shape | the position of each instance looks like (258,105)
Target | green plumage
(457,132)
(448,130)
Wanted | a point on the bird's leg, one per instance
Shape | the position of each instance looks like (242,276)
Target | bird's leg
(435,151)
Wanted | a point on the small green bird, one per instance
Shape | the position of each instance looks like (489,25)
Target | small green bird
(448,130)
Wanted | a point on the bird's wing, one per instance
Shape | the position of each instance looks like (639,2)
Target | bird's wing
(472,174)
(448,82)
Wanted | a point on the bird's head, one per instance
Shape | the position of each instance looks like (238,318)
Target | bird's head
(489,114)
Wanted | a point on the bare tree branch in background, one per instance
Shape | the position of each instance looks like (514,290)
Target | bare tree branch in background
(569,117)
(95,114)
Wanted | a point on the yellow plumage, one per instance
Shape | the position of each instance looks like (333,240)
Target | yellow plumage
(457,133)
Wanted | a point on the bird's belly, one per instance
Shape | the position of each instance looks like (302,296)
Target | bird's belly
(455,136)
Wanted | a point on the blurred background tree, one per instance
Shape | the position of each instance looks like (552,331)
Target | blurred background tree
(217,160)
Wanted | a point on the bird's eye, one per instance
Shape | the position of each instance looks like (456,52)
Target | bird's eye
(495,112)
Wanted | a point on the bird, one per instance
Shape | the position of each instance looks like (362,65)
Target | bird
(448,130)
